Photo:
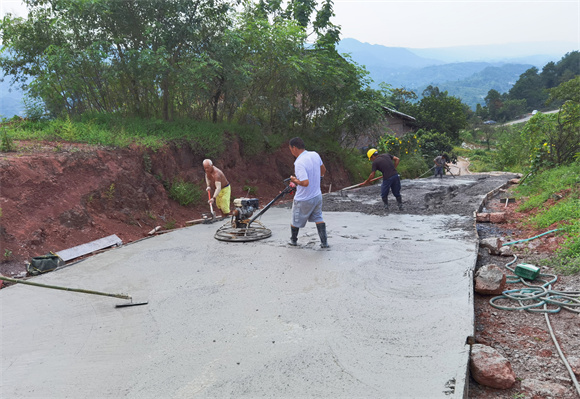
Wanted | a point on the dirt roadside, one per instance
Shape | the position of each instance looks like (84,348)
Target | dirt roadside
(55,196)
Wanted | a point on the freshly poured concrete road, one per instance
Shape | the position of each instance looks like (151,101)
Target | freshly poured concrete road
(385,313)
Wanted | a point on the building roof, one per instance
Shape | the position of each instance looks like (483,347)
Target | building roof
(399,114)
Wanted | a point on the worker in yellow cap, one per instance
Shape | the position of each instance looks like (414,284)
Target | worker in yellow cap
(387,165)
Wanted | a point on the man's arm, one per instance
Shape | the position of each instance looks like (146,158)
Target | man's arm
(303,183)
(207,182)
(218,188)
(396,161)
(371,176)
(322,170)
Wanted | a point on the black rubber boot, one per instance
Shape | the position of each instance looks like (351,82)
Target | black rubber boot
(294,237)
(400,202)
(386,203)
(322,233)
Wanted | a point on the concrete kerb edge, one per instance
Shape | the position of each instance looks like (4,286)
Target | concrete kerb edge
(471,339)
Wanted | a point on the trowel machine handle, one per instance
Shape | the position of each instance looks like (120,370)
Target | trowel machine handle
(290,188)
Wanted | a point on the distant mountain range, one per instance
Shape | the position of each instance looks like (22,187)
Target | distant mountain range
(10,99)
(464,72)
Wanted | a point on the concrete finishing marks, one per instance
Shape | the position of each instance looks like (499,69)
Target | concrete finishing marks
(384,313)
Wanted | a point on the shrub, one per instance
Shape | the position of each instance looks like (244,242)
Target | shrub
(185,193)
(7,145)
(412,166)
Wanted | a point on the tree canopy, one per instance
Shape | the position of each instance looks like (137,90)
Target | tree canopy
(269,63)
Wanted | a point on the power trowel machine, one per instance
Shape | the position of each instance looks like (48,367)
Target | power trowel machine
(243,227)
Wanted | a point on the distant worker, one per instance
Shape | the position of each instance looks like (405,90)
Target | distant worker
(307,205)
(216,181)
(387,165)
(440,162)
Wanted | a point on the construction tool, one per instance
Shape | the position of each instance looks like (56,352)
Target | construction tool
(449,170)
(433,167)
(240,229)
(360,184)
(55,287)
(213,216)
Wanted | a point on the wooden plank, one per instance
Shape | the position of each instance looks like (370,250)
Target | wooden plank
(89,247)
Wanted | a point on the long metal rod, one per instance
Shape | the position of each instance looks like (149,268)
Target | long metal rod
(54,287)
(282,193)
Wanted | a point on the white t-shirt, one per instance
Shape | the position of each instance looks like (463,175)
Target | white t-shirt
(307,167)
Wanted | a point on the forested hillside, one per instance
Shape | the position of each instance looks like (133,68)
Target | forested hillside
(532,90)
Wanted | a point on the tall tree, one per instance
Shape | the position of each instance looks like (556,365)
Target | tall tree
(529,87)
(439,112)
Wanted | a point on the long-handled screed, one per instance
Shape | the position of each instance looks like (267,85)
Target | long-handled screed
(360,184)
(55,287)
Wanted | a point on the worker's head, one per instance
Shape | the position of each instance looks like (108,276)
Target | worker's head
(372,153)
(298,143)
(207,165)
(296,146)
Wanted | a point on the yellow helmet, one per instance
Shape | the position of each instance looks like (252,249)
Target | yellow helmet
(370,153)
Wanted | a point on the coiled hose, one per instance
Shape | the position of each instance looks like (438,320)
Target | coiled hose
(535,296)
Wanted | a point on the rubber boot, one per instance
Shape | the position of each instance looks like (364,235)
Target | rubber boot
(386,203)
(322,233)
(294,237)
(400,202)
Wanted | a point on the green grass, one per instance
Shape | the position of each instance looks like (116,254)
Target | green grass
(480,160)
(563,185)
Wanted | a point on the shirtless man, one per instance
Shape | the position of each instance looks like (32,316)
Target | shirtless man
(216,180)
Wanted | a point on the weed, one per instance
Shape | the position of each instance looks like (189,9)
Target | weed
(7,145)
(150,215)
(147,162)
(250,190)
(110,194)
(7,254)
(170,225)
(519,395)
(185,193)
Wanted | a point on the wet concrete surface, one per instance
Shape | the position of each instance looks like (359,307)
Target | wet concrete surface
(385,312)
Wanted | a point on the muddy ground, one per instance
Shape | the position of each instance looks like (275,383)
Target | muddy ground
(54,196)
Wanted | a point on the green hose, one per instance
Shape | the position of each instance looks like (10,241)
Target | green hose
(529,239)
(537,295)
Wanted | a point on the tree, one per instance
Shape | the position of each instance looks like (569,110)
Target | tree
(529,87)
(554,139)
(493,102)
(437,111)
(549,75)
(109,55)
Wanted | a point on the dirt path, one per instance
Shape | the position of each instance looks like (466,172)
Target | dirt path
(461,168)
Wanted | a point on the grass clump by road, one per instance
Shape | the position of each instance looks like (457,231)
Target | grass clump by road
(555,196)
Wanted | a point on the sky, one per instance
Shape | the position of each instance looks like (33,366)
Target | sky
(437,23)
